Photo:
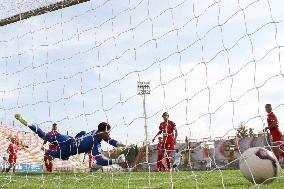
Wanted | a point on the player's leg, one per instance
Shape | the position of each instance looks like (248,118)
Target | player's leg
(47,162)
(50,165)
(280,145)
(162,166)
(21,119)
(50,159)
(281,151)
(14,167)
(90,162)
(177,170)
(103,161)
(100,160)
(36,129)
(276,142)
(159,162)
(33,127)
(174,167)
(167,155)
(9,167)
(169,149)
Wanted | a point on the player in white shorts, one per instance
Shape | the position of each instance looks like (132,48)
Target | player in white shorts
(4,163)
(177,160)
(208,163)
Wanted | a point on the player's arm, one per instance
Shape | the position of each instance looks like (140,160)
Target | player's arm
(9,149)
(273,124)
(23,145)
(114,143)
(176,134)
(159,132)
(157,147)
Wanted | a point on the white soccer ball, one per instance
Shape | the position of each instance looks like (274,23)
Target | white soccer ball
(259,165)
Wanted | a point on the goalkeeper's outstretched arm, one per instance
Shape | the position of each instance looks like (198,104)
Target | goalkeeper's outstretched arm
(114,143)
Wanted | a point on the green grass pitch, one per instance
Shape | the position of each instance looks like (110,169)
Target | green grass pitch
(186,179)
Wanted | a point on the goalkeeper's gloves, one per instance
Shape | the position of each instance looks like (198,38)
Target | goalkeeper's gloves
(22,120)
(120,159)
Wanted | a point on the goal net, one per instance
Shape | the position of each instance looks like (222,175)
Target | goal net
(212,65)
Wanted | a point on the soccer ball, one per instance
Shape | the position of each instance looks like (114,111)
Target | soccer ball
(259,165)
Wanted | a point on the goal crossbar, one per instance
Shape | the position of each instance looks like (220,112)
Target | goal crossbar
(39,11)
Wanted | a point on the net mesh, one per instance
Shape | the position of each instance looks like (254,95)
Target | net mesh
(212,65)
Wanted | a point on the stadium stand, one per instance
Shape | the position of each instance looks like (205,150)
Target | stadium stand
(33,154)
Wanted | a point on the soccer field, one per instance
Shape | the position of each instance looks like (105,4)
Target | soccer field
(196,179)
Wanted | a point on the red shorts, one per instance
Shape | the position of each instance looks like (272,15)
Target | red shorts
(51,147)
(276,136)
(169,146)
(12,159)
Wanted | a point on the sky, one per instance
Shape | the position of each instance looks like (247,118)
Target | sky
(211,65)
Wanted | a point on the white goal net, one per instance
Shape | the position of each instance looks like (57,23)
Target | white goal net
(212,65)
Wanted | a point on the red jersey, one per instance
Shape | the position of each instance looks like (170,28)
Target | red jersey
(12,150)
(270,119)
(167,129)
(53,145)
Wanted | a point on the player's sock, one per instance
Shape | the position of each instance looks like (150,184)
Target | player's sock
(50,168)
(21,120)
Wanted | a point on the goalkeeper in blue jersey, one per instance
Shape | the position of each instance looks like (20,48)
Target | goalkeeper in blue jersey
(82,143)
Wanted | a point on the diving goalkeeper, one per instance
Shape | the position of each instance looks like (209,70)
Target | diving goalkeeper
(82,143)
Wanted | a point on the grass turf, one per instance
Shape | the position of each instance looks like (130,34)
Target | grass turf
(196,179)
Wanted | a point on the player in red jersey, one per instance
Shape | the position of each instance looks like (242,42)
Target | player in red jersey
(169,131)
(272,125)
(12,151)
(48,159)
(161,154)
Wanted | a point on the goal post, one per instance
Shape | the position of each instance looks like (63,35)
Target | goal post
(143,89)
